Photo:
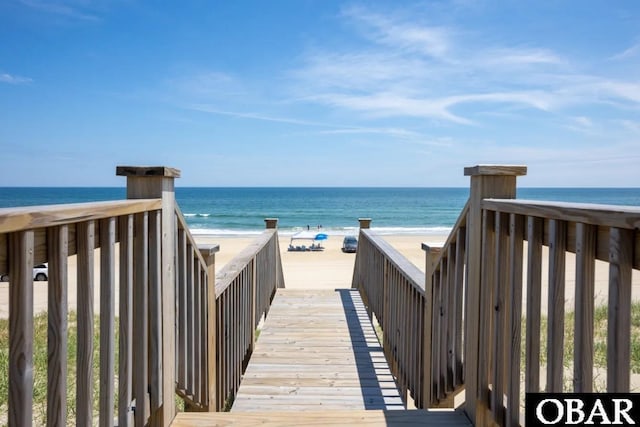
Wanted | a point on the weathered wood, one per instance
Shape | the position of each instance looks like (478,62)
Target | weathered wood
(155,316)
(516,227)
(584,297)
(84,361)
(627,217)
(534,302)
(486,181)
(32,217)
(159,182)
(619,317)
(21,330)
(485,312)
(107,320)
(140,317)
(125,311)
(293,374)
(181,294)
(501,301)
(283,417)
(431,255)
(57,331)
(555,326)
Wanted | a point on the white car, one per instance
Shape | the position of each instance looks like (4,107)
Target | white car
(40,273)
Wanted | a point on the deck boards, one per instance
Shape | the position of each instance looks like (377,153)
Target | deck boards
(317,350)
(318,362)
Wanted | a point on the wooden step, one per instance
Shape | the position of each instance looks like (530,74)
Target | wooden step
(323,418)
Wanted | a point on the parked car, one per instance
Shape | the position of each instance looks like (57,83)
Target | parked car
(350,244)
(40,273)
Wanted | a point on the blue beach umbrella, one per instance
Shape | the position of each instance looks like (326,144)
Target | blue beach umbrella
(321,236)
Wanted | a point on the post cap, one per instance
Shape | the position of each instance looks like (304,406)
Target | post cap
(512,170)
(208,252)
(364,222)
(429,249)
(150,171)
(271,223)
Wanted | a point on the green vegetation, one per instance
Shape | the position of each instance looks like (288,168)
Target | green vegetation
(599,345)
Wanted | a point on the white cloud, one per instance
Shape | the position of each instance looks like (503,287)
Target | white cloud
(14,80)
(405,68)
(627,53)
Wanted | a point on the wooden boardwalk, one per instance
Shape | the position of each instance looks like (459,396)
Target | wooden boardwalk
(318,361)
(317,350)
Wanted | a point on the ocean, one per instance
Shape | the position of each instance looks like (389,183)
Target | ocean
(241,211)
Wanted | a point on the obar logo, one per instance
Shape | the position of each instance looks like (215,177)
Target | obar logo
(562,409)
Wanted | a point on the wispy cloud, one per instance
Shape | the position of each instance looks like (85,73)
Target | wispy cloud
(14,80)
(627,53)
(405,67)
(66,8)
(255,116)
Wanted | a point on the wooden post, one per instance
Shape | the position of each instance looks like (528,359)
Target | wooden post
(209,254)
(365,223)
(271,223)
(150,183)
(487,181)
(431,255)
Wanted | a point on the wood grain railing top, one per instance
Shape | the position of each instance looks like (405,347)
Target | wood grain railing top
(231,270)
(401,263)
(605,215)
(31,217)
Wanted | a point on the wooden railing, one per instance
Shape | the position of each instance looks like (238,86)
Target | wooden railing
(244,290)
(392,289)
(123,230)
(444,330)
(592,232)
(181,329)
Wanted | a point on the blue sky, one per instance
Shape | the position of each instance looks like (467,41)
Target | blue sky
(319,92)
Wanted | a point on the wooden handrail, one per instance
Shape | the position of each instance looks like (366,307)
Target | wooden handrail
(444,288)
(392,289)
(32,217)
(244,290)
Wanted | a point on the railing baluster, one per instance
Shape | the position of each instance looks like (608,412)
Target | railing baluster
(458,326)
(516,235)
(500,315)
(21,329)
(585,284)
(484,371)
(155,314)
(534,299)
(555,330)
(619,318)
(140,317)
(190,329)
(125,353)
(57,340)
(181,295)
(107,319)
(84,366)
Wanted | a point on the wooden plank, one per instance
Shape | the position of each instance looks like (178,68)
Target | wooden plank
(125,311)
(107,320)
(501,300)
(584,297)
(57,331)
(619,316)
(516,231)
(21,329)
(33,217)
(555,327)
(181,295)
(140,317)
(84,363)
(458,379)
(320,417)
(485,299)
(534,303)
(155,314)
(307,376)
(627,217)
